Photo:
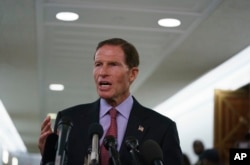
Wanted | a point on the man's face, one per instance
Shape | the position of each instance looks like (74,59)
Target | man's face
(198,148)
(112,75)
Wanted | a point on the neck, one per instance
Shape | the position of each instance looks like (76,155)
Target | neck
(114,102)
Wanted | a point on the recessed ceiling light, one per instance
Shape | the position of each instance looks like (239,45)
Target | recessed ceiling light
(67,16)
(56,87)
(169,22)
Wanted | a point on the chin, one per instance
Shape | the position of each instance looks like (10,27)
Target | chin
(105,96)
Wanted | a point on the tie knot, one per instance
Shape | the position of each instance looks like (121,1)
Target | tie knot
(113,113)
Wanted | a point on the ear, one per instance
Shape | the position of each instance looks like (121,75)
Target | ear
(133,74)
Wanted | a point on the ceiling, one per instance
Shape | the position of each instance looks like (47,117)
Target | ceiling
(36,50)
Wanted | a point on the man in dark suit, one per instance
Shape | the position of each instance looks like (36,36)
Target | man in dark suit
(116,64)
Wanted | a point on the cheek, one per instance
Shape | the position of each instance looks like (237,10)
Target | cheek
(120,80)
(124,80)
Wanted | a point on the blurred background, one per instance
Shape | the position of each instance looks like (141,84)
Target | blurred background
(195,71)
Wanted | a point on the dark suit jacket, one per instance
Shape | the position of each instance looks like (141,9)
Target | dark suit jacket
(155,126)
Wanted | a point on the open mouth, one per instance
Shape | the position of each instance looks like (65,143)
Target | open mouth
(104,84)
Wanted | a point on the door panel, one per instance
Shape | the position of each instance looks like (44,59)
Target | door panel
(231,120)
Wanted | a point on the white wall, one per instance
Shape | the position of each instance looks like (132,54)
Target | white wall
(195,124)
(192,108)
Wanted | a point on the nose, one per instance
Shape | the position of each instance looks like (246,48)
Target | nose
(103,71)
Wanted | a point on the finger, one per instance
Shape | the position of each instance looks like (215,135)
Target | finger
(43,136)
(46,128)
(45,122)
(42,140)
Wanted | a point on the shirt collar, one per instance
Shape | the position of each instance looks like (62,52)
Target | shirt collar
(124,108)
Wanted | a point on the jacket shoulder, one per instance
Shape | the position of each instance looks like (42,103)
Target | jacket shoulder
(151,114)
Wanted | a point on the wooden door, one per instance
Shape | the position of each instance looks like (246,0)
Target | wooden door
(231,120)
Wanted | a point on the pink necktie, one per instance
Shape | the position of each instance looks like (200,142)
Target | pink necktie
(111,131)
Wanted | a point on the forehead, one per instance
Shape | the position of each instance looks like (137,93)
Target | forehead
(109,52)
(198,144)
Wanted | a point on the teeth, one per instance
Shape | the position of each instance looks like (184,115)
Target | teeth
(104,85)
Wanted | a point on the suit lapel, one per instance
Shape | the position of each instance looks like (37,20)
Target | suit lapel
(88,115)
(136,127)
(94,113)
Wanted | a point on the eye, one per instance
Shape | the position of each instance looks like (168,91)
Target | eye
(113,64)
(97,64)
